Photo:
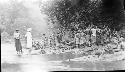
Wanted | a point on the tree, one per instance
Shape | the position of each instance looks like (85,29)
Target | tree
(68,15)
(4,36)
(84,13)
(14,15)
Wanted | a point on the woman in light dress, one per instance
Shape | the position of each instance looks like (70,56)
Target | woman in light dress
(29,40)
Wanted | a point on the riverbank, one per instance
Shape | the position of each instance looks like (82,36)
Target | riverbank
(11,62)
(73,55)
(107,57)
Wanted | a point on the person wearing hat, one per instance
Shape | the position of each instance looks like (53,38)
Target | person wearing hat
(17,41)
(29,40)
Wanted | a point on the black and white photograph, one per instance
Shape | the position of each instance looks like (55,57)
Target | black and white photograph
(62,35)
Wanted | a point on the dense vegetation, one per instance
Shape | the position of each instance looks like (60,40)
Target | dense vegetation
(69,18)
(85,12)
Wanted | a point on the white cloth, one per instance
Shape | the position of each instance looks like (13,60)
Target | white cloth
(77,38)
(94,32)
(28,40)
(82,39)
(17,35)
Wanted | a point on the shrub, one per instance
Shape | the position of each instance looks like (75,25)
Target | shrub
(5,36)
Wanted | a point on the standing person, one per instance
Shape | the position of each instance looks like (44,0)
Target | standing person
(17,42)
(98,36)
(88,36)
(44,41)
(77,39)
(57,41)
(82,40)
(94,34)
(29,40)
(50,41)
(53,40)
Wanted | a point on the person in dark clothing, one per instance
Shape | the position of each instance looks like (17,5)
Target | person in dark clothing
(17,42)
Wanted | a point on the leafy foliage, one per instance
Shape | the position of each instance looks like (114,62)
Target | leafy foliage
(4,36)
(15,15)
(10,14)
(84,13)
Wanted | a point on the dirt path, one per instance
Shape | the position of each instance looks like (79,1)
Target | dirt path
(39,63)
(11,62)
(25,62)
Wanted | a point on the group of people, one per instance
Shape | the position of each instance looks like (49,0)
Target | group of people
(87,37)
(94,35)
(28,39)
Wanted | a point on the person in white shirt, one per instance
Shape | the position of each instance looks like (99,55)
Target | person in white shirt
(29,40)
(94,34)
(17,42)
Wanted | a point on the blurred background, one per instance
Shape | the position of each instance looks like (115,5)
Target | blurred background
(21,14)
